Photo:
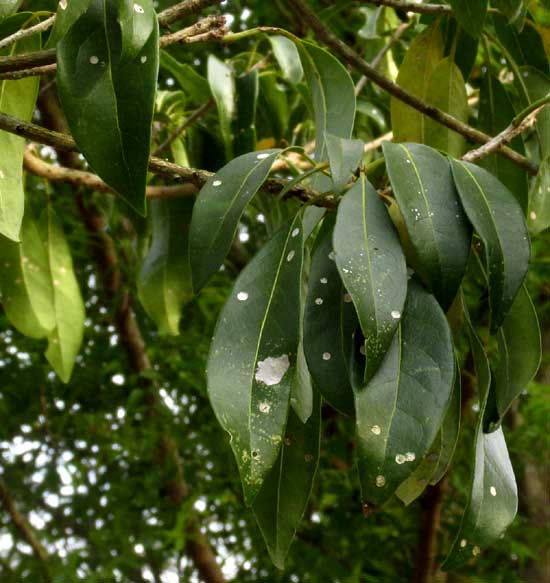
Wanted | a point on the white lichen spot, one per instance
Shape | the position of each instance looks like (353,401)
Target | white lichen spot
(56,282)
(533,215)
(94,60)
(347,298)
(327,355)
(262,156)
(380,481)
(2,175)
(376,429)
(242,296)
(400,459)
(463,543)
(271,370)
(319,301)
(138,8)
(217,183)
(264,407)
(295,232)
(410,456)
(308,458)
(475,551)
(63,270)
(63,4)
(143,59)
(290,256)
(362,350)
(396,314)
(288,441)
(324,280)
(493,491)
(332,256)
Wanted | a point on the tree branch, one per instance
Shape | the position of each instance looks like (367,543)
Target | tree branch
(183,9)
(353,59)
(26,32)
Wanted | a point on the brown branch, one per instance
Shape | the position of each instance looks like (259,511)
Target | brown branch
(26,32)
(25,530)
(183,9)
(408,6)
(353,59)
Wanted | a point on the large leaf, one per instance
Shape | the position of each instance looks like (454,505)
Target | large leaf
(344,157)
(27,290)
(164,282)
(253,355)
(437,227)
(107,66)
(221,78)
(372,266)
(68,307)
(498,220)
(219,207)
(283,498)
(415,72)
(400,411)
(287,56)
(539,199)
(329,323)
(17,98)
(470,15)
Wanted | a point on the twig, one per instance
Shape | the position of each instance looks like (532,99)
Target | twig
(353,59)
(418,7)
(375,144)
(34,72)
(183,9)
(189,34)
(26,32)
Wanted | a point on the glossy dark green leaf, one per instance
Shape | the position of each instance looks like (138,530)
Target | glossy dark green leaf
(329,323)
(287,56)
(495,113)
(221,78)
(164,282)
(538,216)
(27,289)
(107,66)
(244,125)
(400,411)
(498,219)
(415,72)
(514,10)
(438,229)
(253,355)
(372,266)
(17,98)
(194,85)
(344,157)
(463,46)
(68,307)
(218,209)
(281,502)
(333,95)
(470,14)
(301,391)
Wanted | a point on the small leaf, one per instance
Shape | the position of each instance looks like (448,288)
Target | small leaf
(252,358)
(287,56)
(27,290)
(498,220)
(372,266)
(539,199)
(329,323)
(222,84)
(244,125)
(470,14)
(344,156)
(18,99)
(281,502)
(400,411)
(164,282)
(65,340)
(107,66)
(301,391)
(436,224)
(193,84)
(218,209)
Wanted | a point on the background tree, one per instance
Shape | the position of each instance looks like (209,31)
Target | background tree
(374,184)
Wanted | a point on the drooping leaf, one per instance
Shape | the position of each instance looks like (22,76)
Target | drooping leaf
(253,355)
(438,229)
(27,289)
(400,411)
(447,91)
(193,84)
(415,72)
(460,44)
(344,157)
(67,14)
(372,266)
(537,85)
(221,78)
(539,199)
(244,125)
(329,323)
(470,14)
(287,56)
(164,282)
(281,502)
(107,66)
(65,340)
(498,219)
(18,99)
(218,209)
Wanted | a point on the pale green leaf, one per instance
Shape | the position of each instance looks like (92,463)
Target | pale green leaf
(344,157)
(539,199)
(287,56)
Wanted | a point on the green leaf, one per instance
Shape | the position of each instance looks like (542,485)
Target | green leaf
(218,209)
(400,411)
(537,85)
(372,266)
(287,56)
(436,224)
(344,156)
(244,125)
(281,502)
(222,84)
(164,282)
(514,10)
(8,7)
(539,199)
(253,355)
(329,323)
(301,391)
(447,91)
(498,220)
(415,73)
(27,290)
(107,66)
(193,84)
(18,99)
(68,307)
(333,95)
(67,14)
(470,14)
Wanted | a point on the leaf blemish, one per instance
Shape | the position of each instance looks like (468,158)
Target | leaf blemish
(319,301)
(138,9)
(217,183)
(380,481)
(376,429)
(94,60)
(242,296)
(290,256)
(271,370)
(327,355)
(264,407)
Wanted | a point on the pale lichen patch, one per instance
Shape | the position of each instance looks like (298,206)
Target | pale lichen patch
(271,370)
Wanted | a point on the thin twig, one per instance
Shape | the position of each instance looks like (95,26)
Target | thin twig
(26,32)
(418,7)
(34,72)
(353,59)
(377,143)
(183,9)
